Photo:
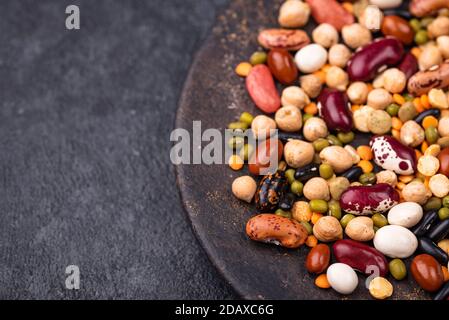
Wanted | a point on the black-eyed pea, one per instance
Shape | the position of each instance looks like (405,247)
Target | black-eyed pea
(358,92)
(428,165)
(337,78)
(288,119)
(244,188)
(379,122)
(439,185)
(412,134)
(379,98)
(339,55)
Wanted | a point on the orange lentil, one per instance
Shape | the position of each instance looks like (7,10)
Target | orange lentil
(311,241)
(348,6)
(326,68)
(366,166)
(426,182)
(355,107)
(425,101)
(400,100)
(370,87)
(396,134)
(406,179)
(321,75)
(311,108)
(396,123)
(243,69)
(400,185)
(424,146)
(235,162)
(315,217)
(322,282)
(365,153)
(445,273)
(416,52)
(418,105)
(430,121)
(418,154)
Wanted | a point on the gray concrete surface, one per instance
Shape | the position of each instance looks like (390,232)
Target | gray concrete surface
(85,118)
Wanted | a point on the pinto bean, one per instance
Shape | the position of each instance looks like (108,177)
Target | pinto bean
(434,78)
(290,40)
(421,8)
(270,228)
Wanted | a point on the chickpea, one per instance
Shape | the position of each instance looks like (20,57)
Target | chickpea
(394,80)
(361,117)
(353,153)
(328,229)
(360,229)
(294,14)
(438,27)
(371,18)
(387,176)
(429,57)
(379,122)
(412,134)
(325,34)
(338,157)
(379,99)
(298,153)
(244,188)
(443,127)
(262,125)
(417,192)
(378,81)
(294,96)
(316,189)
(315,128)
(356,35)
(358,92)
(311,85)
(443,46)
(439,185)
(288,119)
(428,165)
(339,55)
(337,78)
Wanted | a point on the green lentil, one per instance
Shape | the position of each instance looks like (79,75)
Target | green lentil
(238,125)
(308,227)
(318,206)
(426,21)
(407,112)
(258,57)
(421,37)
(446,202)
(334,209)
(346,137)
(282,213)
(320,144)
(443,213)
(393,109)
(345,220)
(379,220)
(326,171)
(368,178)
(415,24)
(290,174)
(433,203)
(408,97)
(246,152)
(397,269)
(306,117)
(247,118)
(431,134)
(236,142)
(333,140)
(375,229)
(296,187)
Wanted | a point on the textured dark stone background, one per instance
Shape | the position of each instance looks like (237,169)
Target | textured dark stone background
(85,119)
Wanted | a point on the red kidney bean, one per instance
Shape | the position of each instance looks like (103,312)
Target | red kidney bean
(424,81)
(427,272)
(261,88)
(409,65)
(365,63)
(425,245)
(439,231)
(318,259)
(265,155)
(421,8)
(282,66)
(364,200)
(334,108)
(390,154)
(360,256)
(330,11)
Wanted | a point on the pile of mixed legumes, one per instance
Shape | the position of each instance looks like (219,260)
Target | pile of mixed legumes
(365,70)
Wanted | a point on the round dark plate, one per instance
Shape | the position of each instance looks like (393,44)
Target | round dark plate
(214,95)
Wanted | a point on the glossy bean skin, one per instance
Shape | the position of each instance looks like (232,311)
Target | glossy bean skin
(424,81)
(409,65)
(288,39)
(282,66)
(333,13)
(443,294)
(425,224)
(399,28)
(307,172)
(421,8)
(353,174)
(287,201)
(334,107)
(427,272)
(360,256)
(439,231)
(364,200)
(396,12)
(285,136)
(262,90)
(269,192)
(318,259)
(365,63)
(431,112)
(390,154)
(425,245)
(443,157)
(270,228)
(261,161)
